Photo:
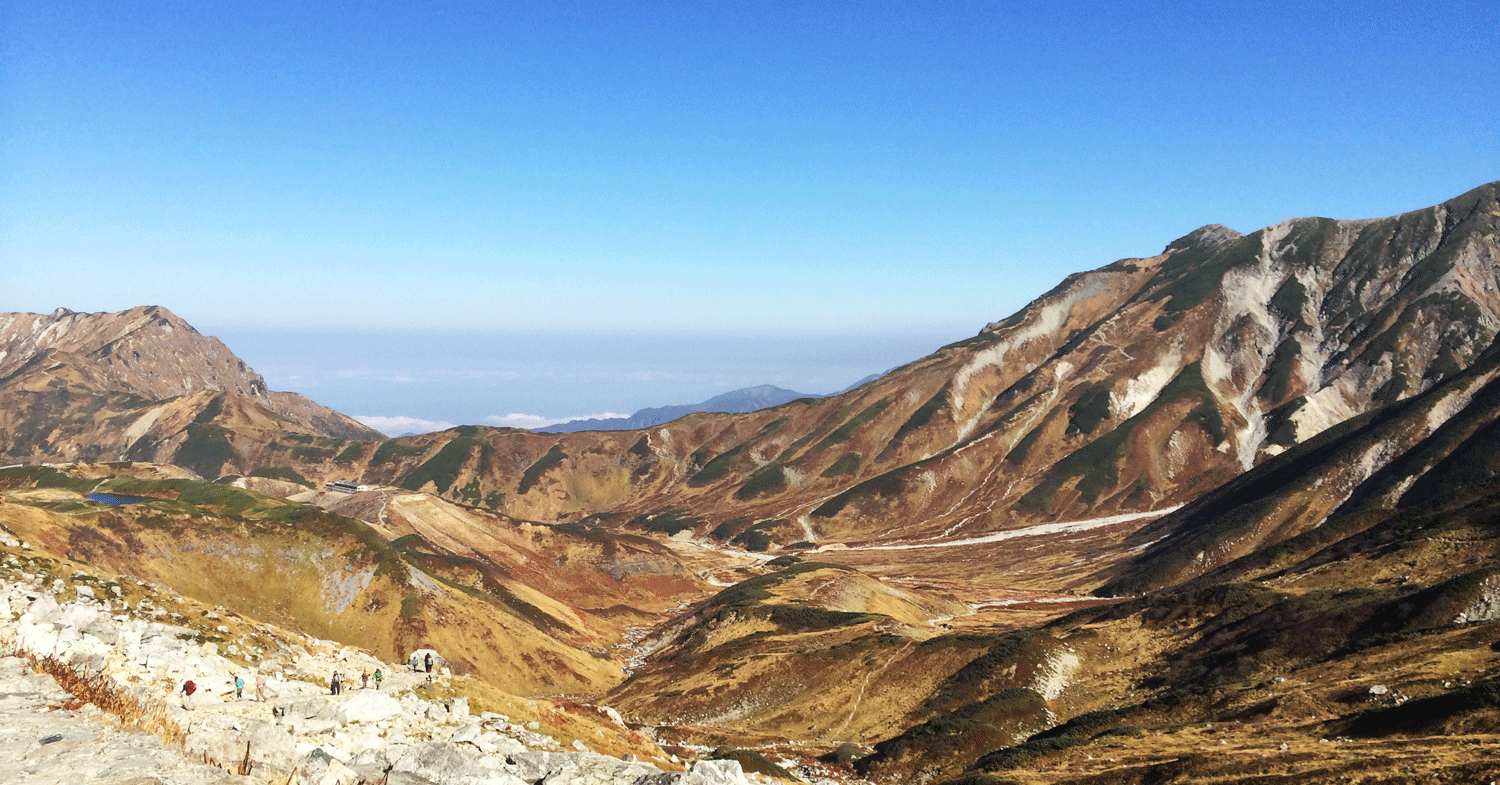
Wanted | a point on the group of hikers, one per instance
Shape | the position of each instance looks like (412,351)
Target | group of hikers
(335,682)
(189,687)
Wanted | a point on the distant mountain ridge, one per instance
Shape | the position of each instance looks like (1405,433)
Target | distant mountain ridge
(747,399)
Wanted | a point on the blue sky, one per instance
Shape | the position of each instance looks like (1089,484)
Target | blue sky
(792,171)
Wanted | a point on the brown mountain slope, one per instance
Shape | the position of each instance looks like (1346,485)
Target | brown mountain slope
(148,351)
(1431,449)
(141,385)
(807,650)
(1345,590)
(534,609)
(1131,388)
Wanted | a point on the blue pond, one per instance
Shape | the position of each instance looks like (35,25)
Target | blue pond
(117,498)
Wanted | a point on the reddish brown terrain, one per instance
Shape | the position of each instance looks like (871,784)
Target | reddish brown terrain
(1175,521)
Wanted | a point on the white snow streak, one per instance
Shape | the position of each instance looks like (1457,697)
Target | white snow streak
(1061,527)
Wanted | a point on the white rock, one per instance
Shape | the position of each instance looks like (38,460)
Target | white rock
(367,706)
(533,765)
(43,611)
(613,715)
(77,616)
(448,764)
(337,774)
(465,733)
(492,743)
(459,708)
(594,769)
(715,772)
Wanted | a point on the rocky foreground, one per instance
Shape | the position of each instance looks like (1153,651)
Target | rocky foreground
(133,658)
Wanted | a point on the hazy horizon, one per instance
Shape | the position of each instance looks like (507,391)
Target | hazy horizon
(400,381)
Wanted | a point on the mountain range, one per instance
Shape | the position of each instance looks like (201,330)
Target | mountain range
(1237,496)
(746,399)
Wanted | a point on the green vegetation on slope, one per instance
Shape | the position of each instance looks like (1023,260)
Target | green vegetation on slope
(535,471)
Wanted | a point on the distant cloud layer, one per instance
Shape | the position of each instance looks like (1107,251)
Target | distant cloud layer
(399,426)
(517,420)
(396,426)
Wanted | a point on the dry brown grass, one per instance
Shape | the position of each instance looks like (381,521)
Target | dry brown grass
(109,695)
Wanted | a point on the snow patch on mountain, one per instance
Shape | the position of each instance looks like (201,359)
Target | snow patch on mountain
(1142,389)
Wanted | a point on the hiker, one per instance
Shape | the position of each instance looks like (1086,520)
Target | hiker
(260,687)
(413,662)
(364,680)
(188,688)
(239,687)
(378,677)
(333,684)
(429,662)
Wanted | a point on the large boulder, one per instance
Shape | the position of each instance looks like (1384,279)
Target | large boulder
(533,765)
(272,746)
(591,768)
(78,616)
(43,610)
(458,708)
(367,706)
(494,744)
(217,739)
(715,772)
(704,772)
(373,764)
(448,764)
(304,709)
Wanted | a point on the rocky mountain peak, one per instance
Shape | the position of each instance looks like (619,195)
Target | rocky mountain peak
(1205,237)
(69,380)
(147,350)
